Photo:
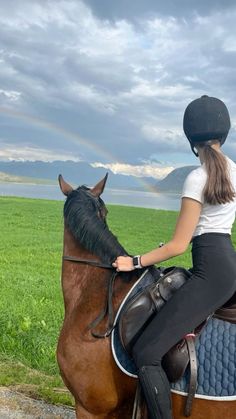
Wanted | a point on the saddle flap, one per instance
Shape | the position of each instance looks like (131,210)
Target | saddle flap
(175,361)
(172,279)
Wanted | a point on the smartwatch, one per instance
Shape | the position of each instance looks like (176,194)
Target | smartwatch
(137,262)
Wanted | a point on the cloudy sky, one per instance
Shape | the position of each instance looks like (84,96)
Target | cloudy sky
(107,82)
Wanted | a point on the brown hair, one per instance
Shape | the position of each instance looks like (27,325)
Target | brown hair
(218,188)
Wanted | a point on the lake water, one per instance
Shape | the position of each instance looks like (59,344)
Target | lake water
(110,196)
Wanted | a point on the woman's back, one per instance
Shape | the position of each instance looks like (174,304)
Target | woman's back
(217,218)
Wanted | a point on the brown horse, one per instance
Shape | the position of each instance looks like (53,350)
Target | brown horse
(100,389)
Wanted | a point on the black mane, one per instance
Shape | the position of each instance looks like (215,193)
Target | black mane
(81,213)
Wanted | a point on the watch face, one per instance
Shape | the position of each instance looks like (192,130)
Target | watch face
(136,262)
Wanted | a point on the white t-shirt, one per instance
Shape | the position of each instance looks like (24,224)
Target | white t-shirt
(217,218)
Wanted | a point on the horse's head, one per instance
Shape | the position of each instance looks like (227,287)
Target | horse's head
(85,217)
(86,198)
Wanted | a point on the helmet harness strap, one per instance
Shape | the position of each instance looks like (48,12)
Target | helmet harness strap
(193,150)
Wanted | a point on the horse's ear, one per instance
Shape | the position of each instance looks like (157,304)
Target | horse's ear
(99,188)
(65,187)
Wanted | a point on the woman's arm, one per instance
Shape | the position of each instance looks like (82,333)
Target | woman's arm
(184,229)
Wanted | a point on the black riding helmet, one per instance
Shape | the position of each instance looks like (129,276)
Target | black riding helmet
(206,118)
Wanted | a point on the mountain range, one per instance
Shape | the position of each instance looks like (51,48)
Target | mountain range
(174,181)
(78,173)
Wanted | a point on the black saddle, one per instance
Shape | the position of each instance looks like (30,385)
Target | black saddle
(140,309)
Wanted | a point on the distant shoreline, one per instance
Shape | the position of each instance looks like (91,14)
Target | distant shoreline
(125,197)
(42,182)
(25,180)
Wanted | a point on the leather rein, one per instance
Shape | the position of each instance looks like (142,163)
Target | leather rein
(108,308)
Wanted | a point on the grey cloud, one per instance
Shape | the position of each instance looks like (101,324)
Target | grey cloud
(106,80)
(124,9)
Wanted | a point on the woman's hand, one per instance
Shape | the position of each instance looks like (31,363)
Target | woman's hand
(123,263)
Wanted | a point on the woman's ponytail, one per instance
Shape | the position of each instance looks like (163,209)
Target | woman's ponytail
(218,188)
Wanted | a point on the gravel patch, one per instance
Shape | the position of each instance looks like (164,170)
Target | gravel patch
(15,405)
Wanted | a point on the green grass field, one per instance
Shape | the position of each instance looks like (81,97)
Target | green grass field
(31,306)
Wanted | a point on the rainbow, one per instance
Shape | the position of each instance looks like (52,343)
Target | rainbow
(69,135)
(49,126)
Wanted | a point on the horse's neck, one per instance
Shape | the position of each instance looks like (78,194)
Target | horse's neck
(78,279)
(74,275)
(73,248)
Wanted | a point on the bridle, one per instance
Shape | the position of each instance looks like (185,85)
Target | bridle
(108,308)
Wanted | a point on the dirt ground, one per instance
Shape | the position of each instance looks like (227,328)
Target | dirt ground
(15,405)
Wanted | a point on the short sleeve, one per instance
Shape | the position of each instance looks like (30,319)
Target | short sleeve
(194,185)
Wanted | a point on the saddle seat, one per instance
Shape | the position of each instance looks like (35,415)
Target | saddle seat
(228,311)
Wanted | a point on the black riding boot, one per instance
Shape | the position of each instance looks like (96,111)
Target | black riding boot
(156,389)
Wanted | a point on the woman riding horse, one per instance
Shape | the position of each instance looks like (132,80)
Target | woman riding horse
(206,218)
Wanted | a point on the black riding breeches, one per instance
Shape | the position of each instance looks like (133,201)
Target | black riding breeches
(213,282)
